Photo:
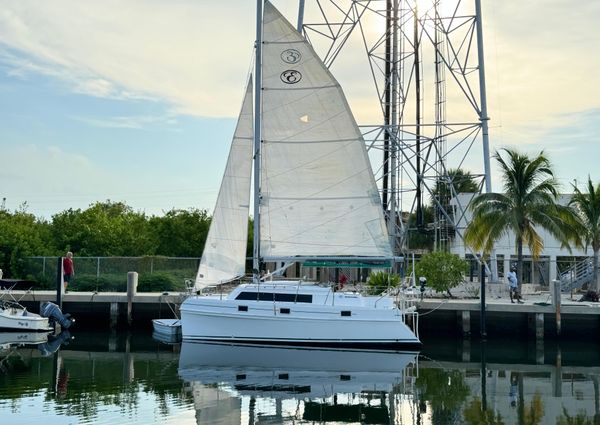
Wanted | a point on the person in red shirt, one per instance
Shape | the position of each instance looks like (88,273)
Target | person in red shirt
(68,269)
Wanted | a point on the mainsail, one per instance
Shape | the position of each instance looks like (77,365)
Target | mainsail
(224,255)
(318,192)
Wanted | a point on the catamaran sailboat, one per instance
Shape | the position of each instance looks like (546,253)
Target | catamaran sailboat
(315,198)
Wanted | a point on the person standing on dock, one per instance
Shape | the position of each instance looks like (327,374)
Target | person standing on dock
(68,269)
(513,285)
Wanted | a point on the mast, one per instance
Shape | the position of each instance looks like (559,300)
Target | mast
(483,117)
(393,234)
(257,140)
(387,106)
(418,194)
(300,16)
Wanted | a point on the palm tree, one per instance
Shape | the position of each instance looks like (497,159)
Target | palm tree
(456,180)
(528,201)
(586,207)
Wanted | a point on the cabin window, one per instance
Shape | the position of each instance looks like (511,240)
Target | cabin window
(346,313)
(345,377)
(271,296)
(240,377)
(284,376)
(284,310)
(242,308)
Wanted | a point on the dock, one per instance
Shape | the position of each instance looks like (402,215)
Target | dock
(536,318)
(109,308)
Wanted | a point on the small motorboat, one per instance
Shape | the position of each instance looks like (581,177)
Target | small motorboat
(14,316)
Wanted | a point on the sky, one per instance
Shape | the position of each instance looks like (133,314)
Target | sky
(136,100)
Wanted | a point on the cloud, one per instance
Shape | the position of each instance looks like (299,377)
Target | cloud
(196,54)
(137,122)
(188,53)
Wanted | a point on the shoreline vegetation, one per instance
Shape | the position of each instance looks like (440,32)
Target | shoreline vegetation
(114,229)
(105,229)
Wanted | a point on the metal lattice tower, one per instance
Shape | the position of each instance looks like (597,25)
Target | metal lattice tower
(425,59)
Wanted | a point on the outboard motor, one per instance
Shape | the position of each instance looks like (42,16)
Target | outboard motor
(54,343)
(52,312)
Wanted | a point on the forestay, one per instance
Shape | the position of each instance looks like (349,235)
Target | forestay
(318,193)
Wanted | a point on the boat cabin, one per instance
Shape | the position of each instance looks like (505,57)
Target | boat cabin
(305,293)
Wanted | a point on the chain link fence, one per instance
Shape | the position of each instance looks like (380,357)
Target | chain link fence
(108,274)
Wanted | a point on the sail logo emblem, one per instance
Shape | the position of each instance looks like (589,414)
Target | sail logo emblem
(291,56)
(291,76)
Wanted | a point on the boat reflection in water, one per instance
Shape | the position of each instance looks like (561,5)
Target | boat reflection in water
(106,377)
(46,343)
(12,339)
(275,382)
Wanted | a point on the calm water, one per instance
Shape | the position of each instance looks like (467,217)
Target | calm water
(104,378)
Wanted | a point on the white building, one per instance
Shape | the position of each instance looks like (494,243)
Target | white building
(553,260)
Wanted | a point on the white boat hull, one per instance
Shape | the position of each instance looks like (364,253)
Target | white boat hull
(15,320)
(212,319)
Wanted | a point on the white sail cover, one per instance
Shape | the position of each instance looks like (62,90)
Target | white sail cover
(224,255)
(318,193)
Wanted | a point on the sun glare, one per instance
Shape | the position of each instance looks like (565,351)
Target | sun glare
(426,10)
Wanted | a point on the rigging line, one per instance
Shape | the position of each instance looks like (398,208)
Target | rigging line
(291,142)
(284,42)
(298,243)
(431,311)
(329,86)
(314,198)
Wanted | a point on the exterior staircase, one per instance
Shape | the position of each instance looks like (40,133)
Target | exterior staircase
(577,275)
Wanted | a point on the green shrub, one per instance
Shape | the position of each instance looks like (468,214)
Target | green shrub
(117,282)
(380,281)
(442,270)
(44,282)
(103,283)
(159,282)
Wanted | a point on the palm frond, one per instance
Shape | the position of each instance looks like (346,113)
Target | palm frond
(531,192)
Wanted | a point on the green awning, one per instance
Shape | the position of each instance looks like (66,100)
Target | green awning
(356,265)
